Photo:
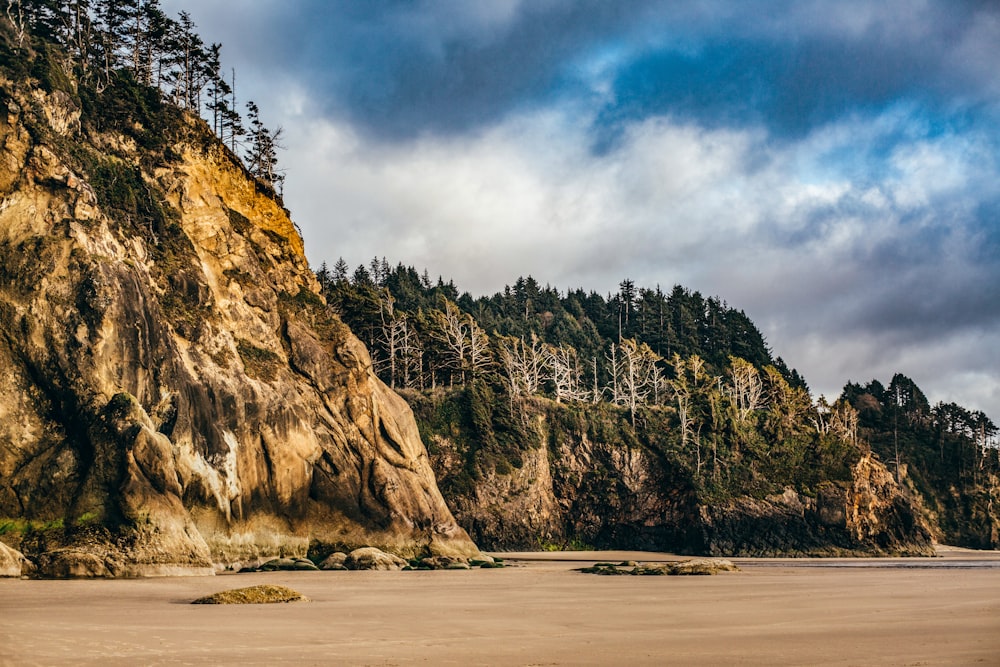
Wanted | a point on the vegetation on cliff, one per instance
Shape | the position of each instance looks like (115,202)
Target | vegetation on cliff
(133,69)
(947,454)
(181,394)
(423,334)
(683,384)
(177,395)
(643,419)
(694,378)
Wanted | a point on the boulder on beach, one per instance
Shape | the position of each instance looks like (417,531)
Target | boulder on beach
(12,561)
(276,564)
(443,563)
(283,565)
(703,566)
(72,563)
(370,558)
(334,561)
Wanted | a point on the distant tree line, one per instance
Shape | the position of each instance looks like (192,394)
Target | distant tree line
(101,41)
(423,333)
(692,369)
(675,356)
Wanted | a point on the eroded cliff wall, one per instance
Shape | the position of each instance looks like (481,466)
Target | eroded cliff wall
(175,393)
(559,476)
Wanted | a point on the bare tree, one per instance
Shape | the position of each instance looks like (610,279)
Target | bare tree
(689,378)
(15,14)
(637,375)
(596,393)
(392,335)
(745,389)
(843,421)
(614,371)
(465,344)
(634,374)
(681,389)
(449,331)
(660,385)
(522,365)
(413,359)
(821,418)
(77,26)
(479,348)
(564,370)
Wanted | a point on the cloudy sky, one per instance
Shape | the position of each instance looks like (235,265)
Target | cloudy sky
(830,167)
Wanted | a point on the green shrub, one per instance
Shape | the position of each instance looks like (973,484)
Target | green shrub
(259,363)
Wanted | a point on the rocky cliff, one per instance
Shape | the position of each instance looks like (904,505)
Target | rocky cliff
(572,478)
(176,395)
(945,454)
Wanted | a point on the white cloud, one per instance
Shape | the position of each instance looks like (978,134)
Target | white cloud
(783,233)
(951,369)
(847,252)
(927,171)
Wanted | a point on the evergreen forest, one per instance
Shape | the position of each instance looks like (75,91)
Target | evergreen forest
(674,372)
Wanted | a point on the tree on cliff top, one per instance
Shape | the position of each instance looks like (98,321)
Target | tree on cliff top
(950,455)
(262,153)
(102,43)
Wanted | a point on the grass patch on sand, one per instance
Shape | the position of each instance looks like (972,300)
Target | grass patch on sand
(263,594)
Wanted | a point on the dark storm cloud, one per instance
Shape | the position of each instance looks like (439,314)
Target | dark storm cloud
(403,68)
(933,268)
(788,88)
(946,293)
(399,69)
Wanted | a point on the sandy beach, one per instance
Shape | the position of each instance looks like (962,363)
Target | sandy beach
(538,611)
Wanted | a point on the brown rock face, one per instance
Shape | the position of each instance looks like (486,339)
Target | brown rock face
(176,395)
(571,487)
(870,515)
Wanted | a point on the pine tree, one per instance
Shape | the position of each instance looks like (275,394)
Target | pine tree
(218,90)
(261,155)
(150,53)
(113,17)
(340,270)
(231,122)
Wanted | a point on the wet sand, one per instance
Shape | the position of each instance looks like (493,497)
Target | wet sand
(943,611)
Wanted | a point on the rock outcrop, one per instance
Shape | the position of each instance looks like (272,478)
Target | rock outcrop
(12,561)
(692,567)
(176,394)
(869,515)
(573,491)
(262,594)
(370,558)
(334,561)
(572,488)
